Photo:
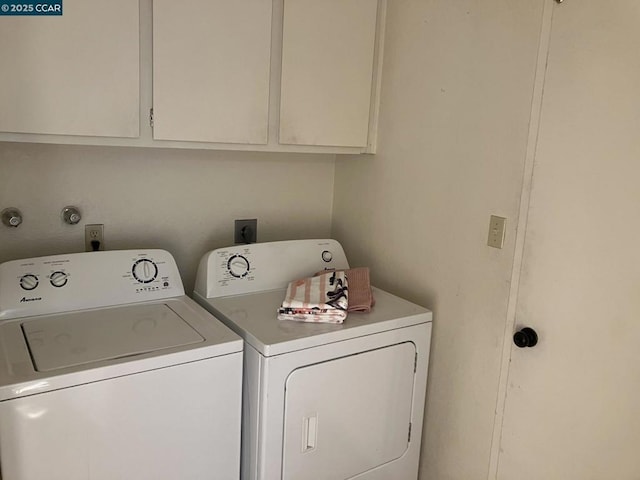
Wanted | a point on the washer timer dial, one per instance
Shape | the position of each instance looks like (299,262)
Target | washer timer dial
(145,270)
(238,266)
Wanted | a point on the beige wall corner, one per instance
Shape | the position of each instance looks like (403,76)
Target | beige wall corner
(456,99)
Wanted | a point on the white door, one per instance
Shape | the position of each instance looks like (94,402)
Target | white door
(573,401)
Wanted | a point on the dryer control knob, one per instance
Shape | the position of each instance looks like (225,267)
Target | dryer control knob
(238,266)
(145,270)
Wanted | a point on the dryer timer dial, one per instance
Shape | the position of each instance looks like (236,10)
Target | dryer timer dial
(238,266)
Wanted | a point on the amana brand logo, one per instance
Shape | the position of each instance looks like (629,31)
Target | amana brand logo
(34,299)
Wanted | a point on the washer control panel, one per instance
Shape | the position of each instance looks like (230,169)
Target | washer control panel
(265,266)
(76,281)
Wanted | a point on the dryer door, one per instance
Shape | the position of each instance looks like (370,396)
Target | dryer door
(349,415)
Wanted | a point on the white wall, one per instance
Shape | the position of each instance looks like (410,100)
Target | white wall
(182,200)
(456,98)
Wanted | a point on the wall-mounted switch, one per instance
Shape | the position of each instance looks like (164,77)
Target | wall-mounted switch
(496,231)
(246,231)
(94,237)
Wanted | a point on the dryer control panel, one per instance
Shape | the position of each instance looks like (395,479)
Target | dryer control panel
(61,283)
(259,267)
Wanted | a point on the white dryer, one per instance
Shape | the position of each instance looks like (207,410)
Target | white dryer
(321,401)
(108,371)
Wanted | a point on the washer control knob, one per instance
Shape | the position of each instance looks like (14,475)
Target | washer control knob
(238,266)
(28,282)
(327,256)
(145,270)
(58,279)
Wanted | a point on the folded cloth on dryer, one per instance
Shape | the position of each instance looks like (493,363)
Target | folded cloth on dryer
(309,315)
(323,298)
(360,294)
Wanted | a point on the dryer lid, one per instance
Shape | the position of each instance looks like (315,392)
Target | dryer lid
(79,338)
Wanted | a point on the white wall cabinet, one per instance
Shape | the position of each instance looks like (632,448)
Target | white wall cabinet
(211,65)
(75,74)
(328,51)
(262,75)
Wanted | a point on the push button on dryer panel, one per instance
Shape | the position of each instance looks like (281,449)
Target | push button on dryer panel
(28,282)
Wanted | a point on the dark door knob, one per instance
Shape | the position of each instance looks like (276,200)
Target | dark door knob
(527,337)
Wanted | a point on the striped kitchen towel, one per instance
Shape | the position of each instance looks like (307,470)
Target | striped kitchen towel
(360,294)
(323,298)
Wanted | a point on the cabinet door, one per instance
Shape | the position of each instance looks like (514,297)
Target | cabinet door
(327,72)
(75,74)
(211,61)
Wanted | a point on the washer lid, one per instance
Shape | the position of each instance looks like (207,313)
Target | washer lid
(72,339)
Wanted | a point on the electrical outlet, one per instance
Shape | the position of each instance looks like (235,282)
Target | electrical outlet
(246,231)
(94,237)
(496,231)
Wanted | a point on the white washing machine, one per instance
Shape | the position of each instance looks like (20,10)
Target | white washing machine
(321,401)
(108,371)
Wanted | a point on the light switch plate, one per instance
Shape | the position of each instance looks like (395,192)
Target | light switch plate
(496,231)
